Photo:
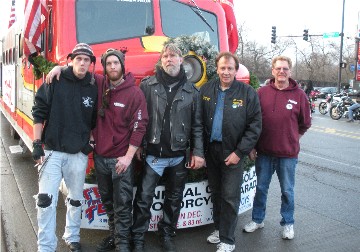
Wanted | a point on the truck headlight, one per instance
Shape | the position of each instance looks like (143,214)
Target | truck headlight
(193,68)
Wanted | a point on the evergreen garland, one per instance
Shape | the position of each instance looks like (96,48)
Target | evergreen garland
(201,47)
(41,65)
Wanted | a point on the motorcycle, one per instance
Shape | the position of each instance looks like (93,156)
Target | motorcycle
(330,100)
(312,105)
(341,109)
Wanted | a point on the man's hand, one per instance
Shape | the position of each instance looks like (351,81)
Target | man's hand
(122,164)
(232,159)
(38,151)
(253,154)
(56,71)
(197,162)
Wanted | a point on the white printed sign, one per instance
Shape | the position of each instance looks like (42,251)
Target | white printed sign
(8,86)
(196,205)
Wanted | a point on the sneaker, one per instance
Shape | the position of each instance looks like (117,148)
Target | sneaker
(107,244)
(252,226)
(349,121)
(74,246)
(288,232)
(167,244)
(224,247)
(214,237)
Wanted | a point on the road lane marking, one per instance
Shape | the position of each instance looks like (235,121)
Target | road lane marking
(330,160)
(332,131)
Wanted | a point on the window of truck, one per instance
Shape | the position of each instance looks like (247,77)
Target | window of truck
(120,20)
(181,19)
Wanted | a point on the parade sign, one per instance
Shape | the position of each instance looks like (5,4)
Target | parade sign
(196,207)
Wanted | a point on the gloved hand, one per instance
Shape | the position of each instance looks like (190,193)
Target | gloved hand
(38,150)
(87,149)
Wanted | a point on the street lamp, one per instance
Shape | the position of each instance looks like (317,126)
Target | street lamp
(341,46)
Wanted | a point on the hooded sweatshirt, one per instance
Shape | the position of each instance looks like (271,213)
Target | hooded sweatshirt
(285,116)
(124,121)
(68,107)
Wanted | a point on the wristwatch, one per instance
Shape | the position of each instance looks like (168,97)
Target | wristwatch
(92,142)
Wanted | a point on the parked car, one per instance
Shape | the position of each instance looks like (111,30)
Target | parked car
(327,90)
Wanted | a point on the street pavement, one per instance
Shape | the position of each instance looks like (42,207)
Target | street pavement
(326,212)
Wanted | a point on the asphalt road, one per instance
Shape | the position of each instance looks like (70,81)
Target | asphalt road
(327,198)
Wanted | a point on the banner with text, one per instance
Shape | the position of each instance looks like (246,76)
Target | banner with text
(196,205)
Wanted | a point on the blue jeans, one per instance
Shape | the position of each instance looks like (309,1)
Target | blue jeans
(351,109)
(265,167)
(72,168)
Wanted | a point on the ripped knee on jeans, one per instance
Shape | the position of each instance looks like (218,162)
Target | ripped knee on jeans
(44,200)
(75,203)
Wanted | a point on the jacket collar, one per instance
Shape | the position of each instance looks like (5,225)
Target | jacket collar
(187,87)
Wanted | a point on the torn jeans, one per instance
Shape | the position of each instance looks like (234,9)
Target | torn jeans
(71,168)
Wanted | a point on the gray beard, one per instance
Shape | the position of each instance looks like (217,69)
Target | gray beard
(172,71)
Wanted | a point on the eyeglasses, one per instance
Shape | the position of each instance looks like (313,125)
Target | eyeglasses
(278,69)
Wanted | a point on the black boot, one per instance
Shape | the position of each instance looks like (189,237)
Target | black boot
(107,244)
(138,246)
(167,243)
(123,247)
(75,246)
(138,242)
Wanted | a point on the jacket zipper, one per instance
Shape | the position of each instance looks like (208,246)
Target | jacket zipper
(156,116)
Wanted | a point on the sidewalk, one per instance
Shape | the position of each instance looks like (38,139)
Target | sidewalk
(18,230)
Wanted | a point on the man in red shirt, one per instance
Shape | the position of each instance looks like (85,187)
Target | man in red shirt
(286,117)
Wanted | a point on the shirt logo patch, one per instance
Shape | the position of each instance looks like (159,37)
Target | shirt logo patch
(88,102)
(205,98)
(237,103)
(118,104)
(292,101)
(289,106)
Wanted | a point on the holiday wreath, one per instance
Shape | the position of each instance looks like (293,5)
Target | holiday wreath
(201,47)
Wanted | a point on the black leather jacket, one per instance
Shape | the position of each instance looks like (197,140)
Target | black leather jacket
(241,125)
(185,118)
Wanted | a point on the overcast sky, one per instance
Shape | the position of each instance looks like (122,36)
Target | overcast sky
(290,17)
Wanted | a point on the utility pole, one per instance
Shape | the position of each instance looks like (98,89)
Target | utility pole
(341,47)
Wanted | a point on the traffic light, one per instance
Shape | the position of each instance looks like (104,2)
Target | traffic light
(306,35)
(273,34)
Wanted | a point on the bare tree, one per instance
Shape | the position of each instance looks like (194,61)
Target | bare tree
(319,61)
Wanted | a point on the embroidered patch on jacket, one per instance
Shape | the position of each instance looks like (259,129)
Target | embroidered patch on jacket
(205,98)
(87,101)
(237,103)
(118,104)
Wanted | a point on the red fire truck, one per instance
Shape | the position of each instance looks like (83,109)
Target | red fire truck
(140,26)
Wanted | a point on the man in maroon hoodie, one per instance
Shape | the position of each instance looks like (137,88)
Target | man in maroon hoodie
(286,117)
(120,127)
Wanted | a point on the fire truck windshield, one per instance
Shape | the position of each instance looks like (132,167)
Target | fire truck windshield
(103,21)
(111,20)
(182,19)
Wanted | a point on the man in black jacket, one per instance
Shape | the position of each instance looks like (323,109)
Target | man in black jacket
(67,108)
(174,120)
(232,125)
